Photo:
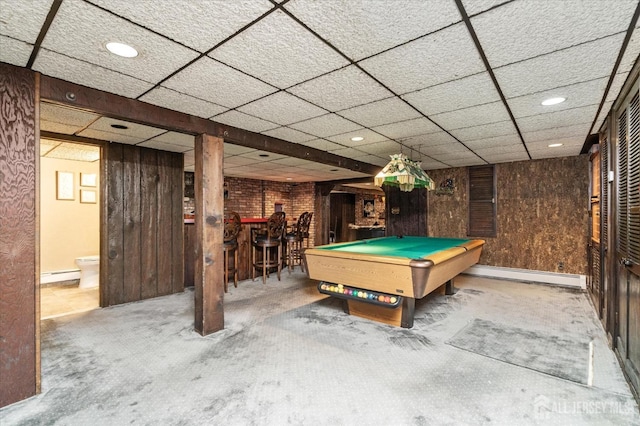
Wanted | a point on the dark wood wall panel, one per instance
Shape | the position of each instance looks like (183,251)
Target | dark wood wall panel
(165,215)
(405,212)
(542,217)
(132,226)
(177,231)
(149,219)
(144,223)
(18,229)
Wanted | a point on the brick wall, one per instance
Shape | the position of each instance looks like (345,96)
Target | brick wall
(257,198)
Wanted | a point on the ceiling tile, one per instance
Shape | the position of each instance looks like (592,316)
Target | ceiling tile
(473,7)
(431,139)
(382,149)
(69,116)
(465,92)
(562,151)
(135,133)
(499,142)
(571,145)
(81,31)
(56,127)
(244,121)
(562,118)
(237,160)
(341,89)
(291,162)
(288,134)
(280,51)
(428,164)
(215,82)
(133,129)
(472,116)
(326,125)
(369,136)
(381,112)
(484,131)
(507,34)
(505,157)
(561,68)
(405,129)
(557,133)
(77,152)
(167,98)
(448,54)
(365,27)
(163,146)
(200,25)
(23,21)
(282,108)
(86,74)
(576,95)
(14,52)
(175,138)
(231,149)
(459,158)
(47,145)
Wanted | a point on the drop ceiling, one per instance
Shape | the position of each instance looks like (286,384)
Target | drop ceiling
(450,83)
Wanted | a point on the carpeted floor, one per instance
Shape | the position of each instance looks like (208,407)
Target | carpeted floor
(497,352)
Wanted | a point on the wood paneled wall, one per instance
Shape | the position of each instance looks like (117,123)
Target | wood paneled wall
(542,218)
(142,236)
(405,212)
(19,255)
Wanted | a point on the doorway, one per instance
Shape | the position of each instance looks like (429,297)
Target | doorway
(342,212)
(69,227)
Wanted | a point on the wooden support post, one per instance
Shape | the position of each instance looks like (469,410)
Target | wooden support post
(19,235)
(209,223)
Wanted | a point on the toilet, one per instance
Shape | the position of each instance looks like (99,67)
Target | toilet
(89,271)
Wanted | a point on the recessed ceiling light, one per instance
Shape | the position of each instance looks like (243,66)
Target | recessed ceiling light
(289,178)
(553,101)
(357,138)
(121,49)
(554,145)
(119,126)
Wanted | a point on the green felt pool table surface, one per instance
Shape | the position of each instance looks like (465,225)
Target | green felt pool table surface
(410,247)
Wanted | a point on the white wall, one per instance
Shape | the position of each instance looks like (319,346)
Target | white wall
(68,228)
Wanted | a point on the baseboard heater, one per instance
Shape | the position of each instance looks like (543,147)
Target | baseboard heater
(56,276)
(527,275)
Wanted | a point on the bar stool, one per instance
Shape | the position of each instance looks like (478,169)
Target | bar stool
(306,225)
(267,242)
(232,226)
(293,240)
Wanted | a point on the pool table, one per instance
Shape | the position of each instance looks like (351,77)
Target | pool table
(381,278)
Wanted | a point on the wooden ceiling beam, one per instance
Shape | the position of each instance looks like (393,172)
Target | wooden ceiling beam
(119,107)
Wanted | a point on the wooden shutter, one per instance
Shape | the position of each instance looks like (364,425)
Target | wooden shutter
(634,179)
(604,189)
(622,185)
(482,202)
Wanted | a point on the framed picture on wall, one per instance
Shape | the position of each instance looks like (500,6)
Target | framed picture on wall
(88,179)
(64,186)
(369,208)
(87,196)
